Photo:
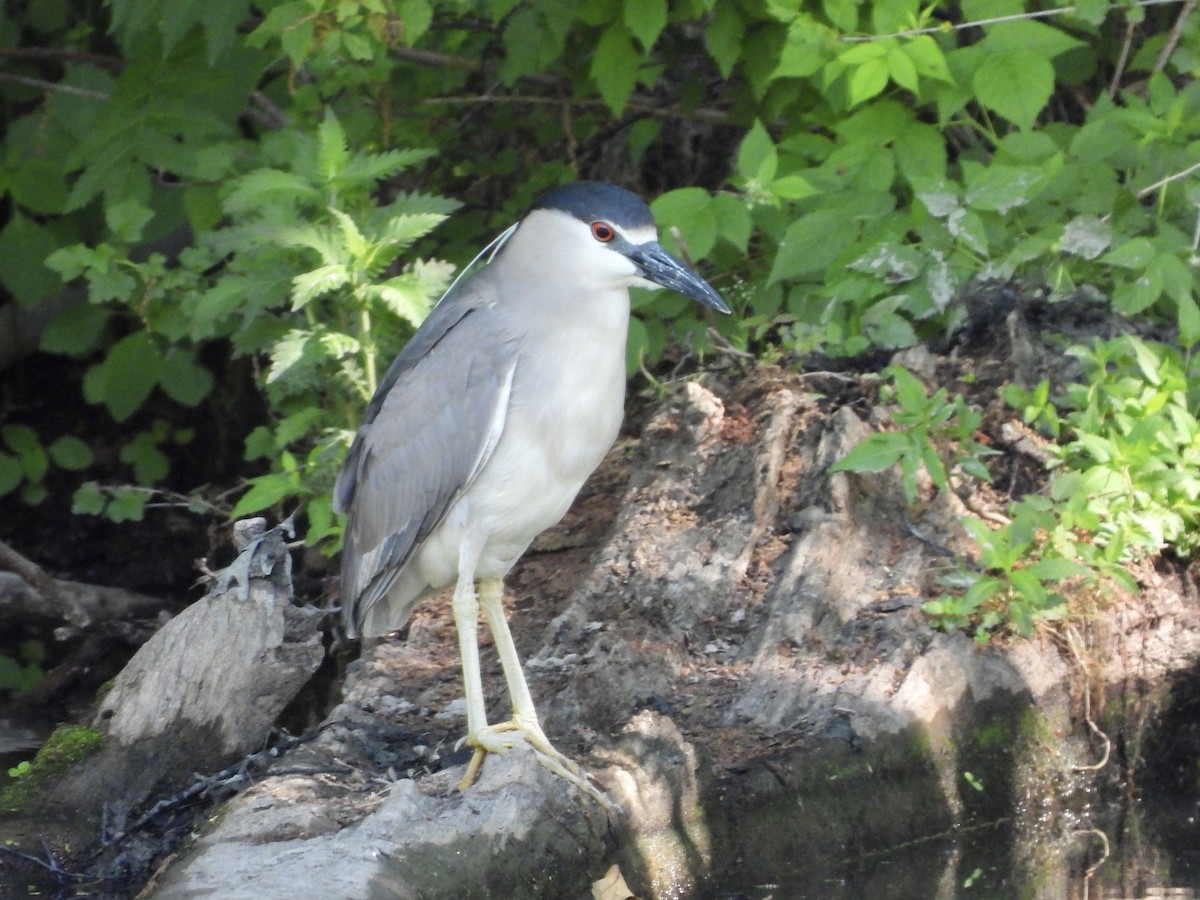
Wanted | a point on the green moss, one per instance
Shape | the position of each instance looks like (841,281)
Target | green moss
(997,733)
(68,745)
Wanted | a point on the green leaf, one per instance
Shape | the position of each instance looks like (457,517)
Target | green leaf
(902,70)
(757,157)
(1188,317)
(910,392)
(352,238)
(724,36)
(21,439)
(1087,236)
(928,58)
(307,286)
(183,379)
(332,153)
(1147,360)
(1133,297)
(150,465)
(70,453)
(1000,188)
(804,53)
(405,296)
(76,330)
(1056,569)
(873,454)
(1028,35)
(88,500)
(690,211)
(126,219)
(868,80)
(265,491)
(10,473)
(733,220)
(615,67)
(1136,253)
(416,17)
(125,377)
(24,244)
(1015,84)
(1094,12)
(646,19)
(126,506)
(264,188)
(31,455)
(811,243)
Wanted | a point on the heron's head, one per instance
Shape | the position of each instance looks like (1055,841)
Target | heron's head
(606,235)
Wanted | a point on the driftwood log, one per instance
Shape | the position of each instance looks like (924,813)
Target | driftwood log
(204,691)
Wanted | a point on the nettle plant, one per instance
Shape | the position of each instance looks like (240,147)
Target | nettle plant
(300,267)
(1123,482)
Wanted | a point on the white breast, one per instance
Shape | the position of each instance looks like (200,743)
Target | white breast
(568,400)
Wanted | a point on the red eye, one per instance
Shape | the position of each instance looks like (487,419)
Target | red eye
(603,232)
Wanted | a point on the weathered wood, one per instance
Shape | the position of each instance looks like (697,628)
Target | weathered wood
(204,691)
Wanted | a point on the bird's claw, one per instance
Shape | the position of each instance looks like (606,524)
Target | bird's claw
(503,737)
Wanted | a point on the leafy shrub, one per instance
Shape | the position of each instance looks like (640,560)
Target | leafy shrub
(300,232)
(872,158)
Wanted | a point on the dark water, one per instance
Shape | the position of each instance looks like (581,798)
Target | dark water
(1149,848)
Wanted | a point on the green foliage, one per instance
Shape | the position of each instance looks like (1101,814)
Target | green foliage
(20,673)
(1013,582)
(1130,469)
(934,434)
(1126,482)
(25,462)
(300,232)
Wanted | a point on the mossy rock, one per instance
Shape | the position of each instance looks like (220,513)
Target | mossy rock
(67,746)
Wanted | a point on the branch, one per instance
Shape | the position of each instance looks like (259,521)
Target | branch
(1176,33)
(62,53)
(1151,188)
(43,85)
(44,586)
(977,23)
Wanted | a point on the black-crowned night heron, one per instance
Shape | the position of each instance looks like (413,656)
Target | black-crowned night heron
(486,425)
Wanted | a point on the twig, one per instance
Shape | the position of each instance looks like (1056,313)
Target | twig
(1173,38)
(43,85)
(637,105)
(1151,188)
(1095,832)
(1122,60)
(722,343)
(51,866)
(44,586)
(62,53)
(995,20)
(1073,642)
(227,778)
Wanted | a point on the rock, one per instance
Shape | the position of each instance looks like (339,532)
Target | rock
(519,832)
(204,691)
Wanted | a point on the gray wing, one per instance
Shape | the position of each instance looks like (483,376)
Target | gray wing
(429,429)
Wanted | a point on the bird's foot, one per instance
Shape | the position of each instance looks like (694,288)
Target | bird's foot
(503,737)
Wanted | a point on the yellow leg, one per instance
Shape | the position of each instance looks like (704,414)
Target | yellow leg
(524,722)
(466,622)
